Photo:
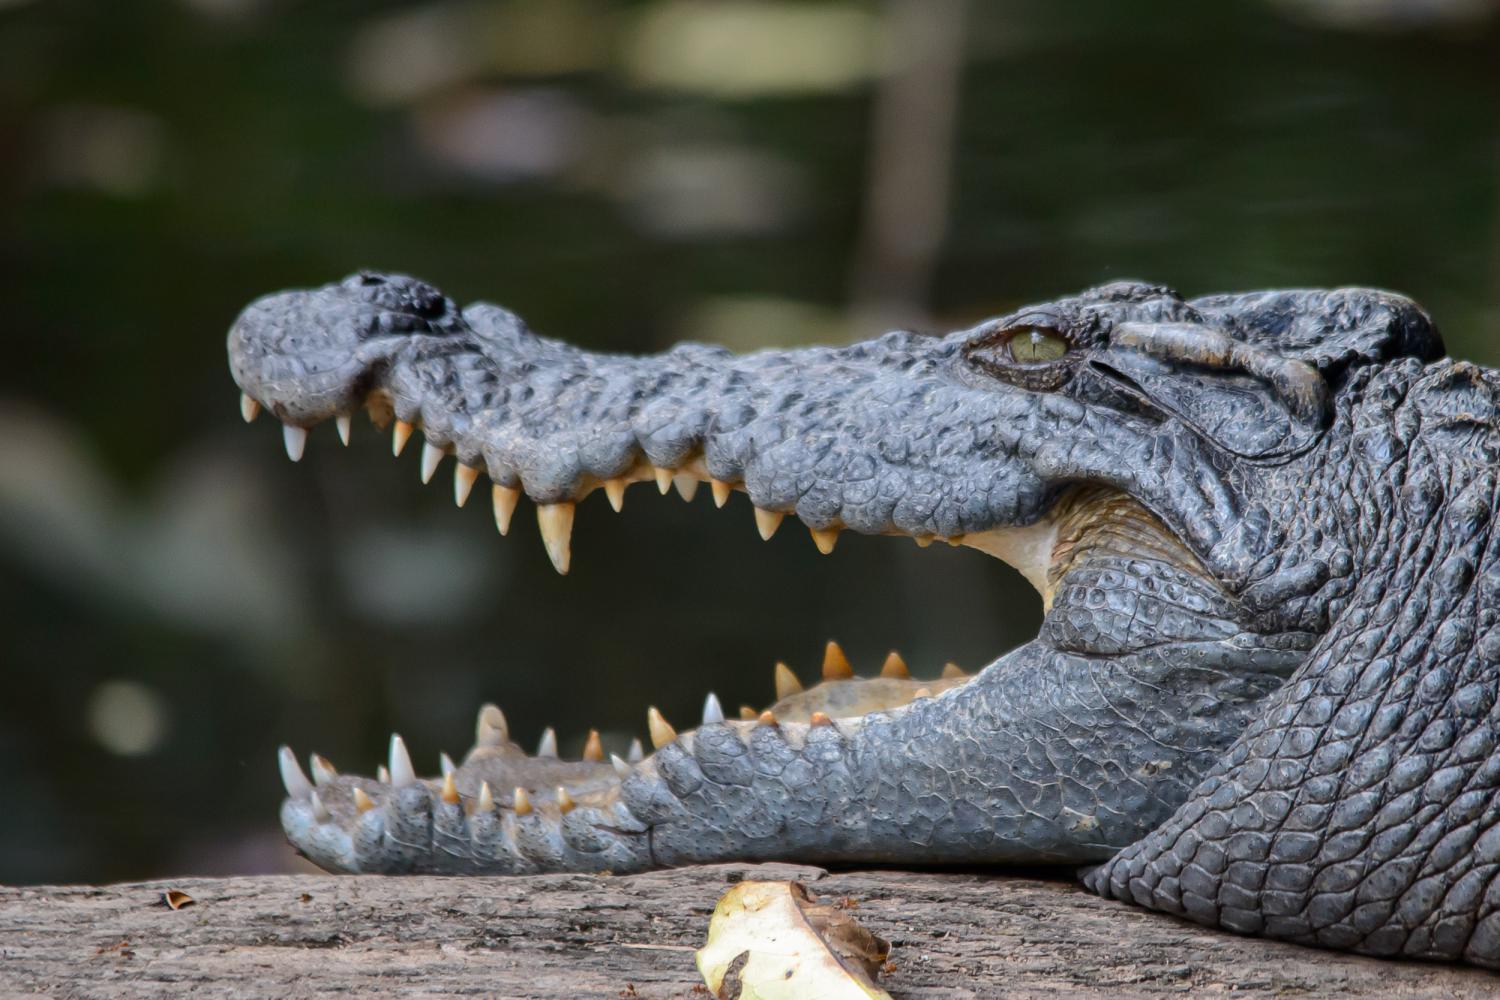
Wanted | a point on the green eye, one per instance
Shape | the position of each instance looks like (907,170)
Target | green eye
(1034,347)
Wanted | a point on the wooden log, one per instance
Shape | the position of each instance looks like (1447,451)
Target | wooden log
(953,935)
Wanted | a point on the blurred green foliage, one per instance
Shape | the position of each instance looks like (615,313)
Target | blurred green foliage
(176,599)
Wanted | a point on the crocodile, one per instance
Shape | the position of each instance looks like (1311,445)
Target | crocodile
(1263,696)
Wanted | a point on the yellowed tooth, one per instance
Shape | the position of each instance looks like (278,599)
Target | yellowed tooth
(249,408)
(345,426)
(721,491)
(593,749)
(450,790)
(687,485)
(922,540)
(662,732)
(955,541)
(399,436)
(663,479)
(556,522)
(767,718)
(323,770)
(951,670)
(615,490)
(825,539)
(835,664)
(565,801)
(767,521)
(486,801)
(747,713)
(820,719)
(922,692)
(894,666)
(787,683)
(490,729)
(463,482)
(504,499)
(362,802)
(520,802)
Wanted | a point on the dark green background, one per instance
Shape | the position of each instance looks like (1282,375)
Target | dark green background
(161,163)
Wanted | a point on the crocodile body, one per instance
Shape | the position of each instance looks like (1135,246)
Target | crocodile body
(1264,693)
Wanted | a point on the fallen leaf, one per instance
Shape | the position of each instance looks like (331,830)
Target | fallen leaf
(771,941)
(176,899)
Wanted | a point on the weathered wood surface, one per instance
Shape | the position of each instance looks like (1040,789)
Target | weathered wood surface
(581,936)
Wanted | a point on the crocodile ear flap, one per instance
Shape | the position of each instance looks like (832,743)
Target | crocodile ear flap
(1247,400)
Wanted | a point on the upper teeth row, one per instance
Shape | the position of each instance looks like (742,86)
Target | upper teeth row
(554,519)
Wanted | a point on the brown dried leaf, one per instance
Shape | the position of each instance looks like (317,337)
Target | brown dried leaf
(176,899)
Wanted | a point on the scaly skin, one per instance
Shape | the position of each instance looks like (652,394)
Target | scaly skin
(1264,692)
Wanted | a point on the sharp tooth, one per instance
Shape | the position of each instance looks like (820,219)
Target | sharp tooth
(615,490)
(323,770)
(295,439)
(712,710)
(362,802)
(548,745)
(820,719)
(399,436)
(486,800)
(345,425)
(662,732)
(446,765)
(636,752)
(894,666)
(383,774)
(747,713)
(767,521)
(825,539)
(621,768)
(955,541)
(297,785)
(592,748)
(721,491)
(951,670)
(787,683)
(663,479)
(249,408)
(835,664)
(450,790)
(565,801)
(520,801)
(463,482)
(432,457)
(320,811)
(490,729)
(687,485)
(556,522)
(504,499)
(402,773)
(922,540)
(767,718)
(922,692)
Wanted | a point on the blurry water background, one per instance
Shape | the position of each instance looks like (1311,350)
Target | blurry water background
(176,598)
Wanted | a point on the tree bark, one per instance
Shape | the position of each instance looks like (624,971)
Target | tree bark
(953,935)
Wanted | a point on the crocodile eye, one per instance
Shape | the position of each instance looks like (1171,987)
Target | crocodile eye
(1036,346)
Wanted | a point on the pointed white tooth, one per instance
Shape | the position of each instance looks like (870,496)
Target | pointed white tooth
(249,408)
(490,729)
(636,753)
(615,490)
(322,771)
(445,765)
(432,457)
(663,479)
(486,802)
(712,710)
(345,424)
(621,768)
(767,521)
(463,482)
(320,811)
(504,499)
(721,491)
(548,746)
(402,773)
(556,522)
(687,485)
(400,434)
(383,774)
(297,785)
(295,439)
